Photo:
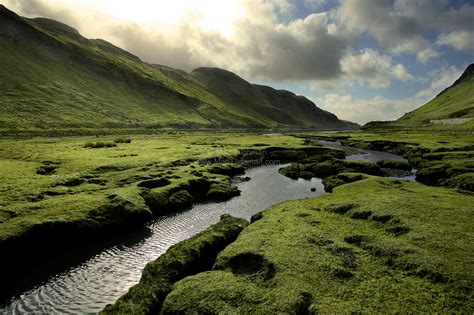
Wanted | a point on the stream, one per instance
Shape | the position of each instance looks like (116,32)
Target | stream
(87,285)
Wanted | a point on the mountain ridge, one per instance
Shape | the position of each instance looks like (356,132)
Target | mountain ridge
(54,78)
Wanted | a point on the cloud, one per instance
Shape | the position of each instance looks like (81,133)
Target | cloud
(301,50)
(425,54)
(459,40)
(364,110)
(399,26)
(366,66)
(380,108)
(437,14)
(392,31)
(439,79)
(260,46)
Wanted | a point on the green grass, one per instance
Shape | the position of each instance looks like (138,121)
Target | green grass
(58,180)
(375,245)
(442,158)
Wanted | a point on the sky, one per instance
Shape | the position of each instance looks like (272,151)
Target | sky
(363,60)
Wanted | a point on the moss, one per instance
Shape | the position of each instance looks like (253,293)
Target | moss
(332,182)
(398,165)
(154,183)
(464,182)
(328,168)
(98,145)
(227,169)
(119,210)
(122,140)
(180,200)
(361,167)
(72,181)
(46,169)
(188,257)
(221,191)
(157,201)
(379,244)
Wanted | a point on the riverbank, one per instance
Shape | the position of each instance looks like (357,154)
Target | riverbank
(129,183)
(372,244)
(58,194)
(194,255)
(442,158)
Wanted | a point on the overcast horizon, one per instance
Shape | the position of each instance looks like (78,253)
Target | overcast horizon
(362,60)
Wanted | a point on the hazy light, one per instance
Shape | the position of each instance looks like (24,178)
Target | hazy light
(213,15)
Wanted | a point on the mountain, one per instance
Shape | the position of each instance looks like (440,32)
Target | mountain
(452,108)
(53,78)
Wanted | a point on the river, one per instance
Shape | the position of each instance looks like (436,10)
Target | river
(89,285)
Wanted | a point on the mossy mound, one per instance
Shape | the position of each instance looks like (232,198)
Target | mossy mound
(227,169)
(328,168)
(188,257)
(220,191)
(398,165)
(374,245)
(334,181)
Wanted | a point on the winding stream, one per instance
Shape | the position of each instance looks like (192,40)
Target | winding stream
(91,285)
(86,287)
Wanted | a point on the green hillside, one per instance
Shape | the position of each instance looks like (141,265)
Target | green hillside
(453,108)
(53,78)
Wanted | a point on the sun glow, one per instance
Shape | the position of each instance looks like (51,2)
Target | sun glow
(212,15)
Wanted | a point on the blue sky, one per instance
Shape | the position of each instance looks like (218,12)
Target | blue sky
(361,59)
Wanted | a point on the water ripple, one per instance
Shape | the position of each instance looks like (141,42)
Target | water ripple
(88,287)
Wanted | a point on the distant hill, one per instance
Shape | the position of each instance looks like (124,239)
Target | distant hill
(453,108)
(53,78)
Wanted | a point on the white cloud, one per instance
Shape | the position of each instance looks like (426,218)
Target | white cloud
(425,54)
(440,79)
(401,73)
(459,40)
(369,66)
(364,110)
(399,26)
(365,67)
(258,46)
(380,108)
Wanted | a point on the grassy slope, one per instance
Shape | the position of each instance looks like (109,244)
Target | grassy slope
(53,78)
(457,101)
(311,255)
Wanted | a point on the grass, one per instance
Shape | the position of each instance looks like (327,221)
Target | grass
(374,245)
(58,180)
(330,254)
(442,158)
